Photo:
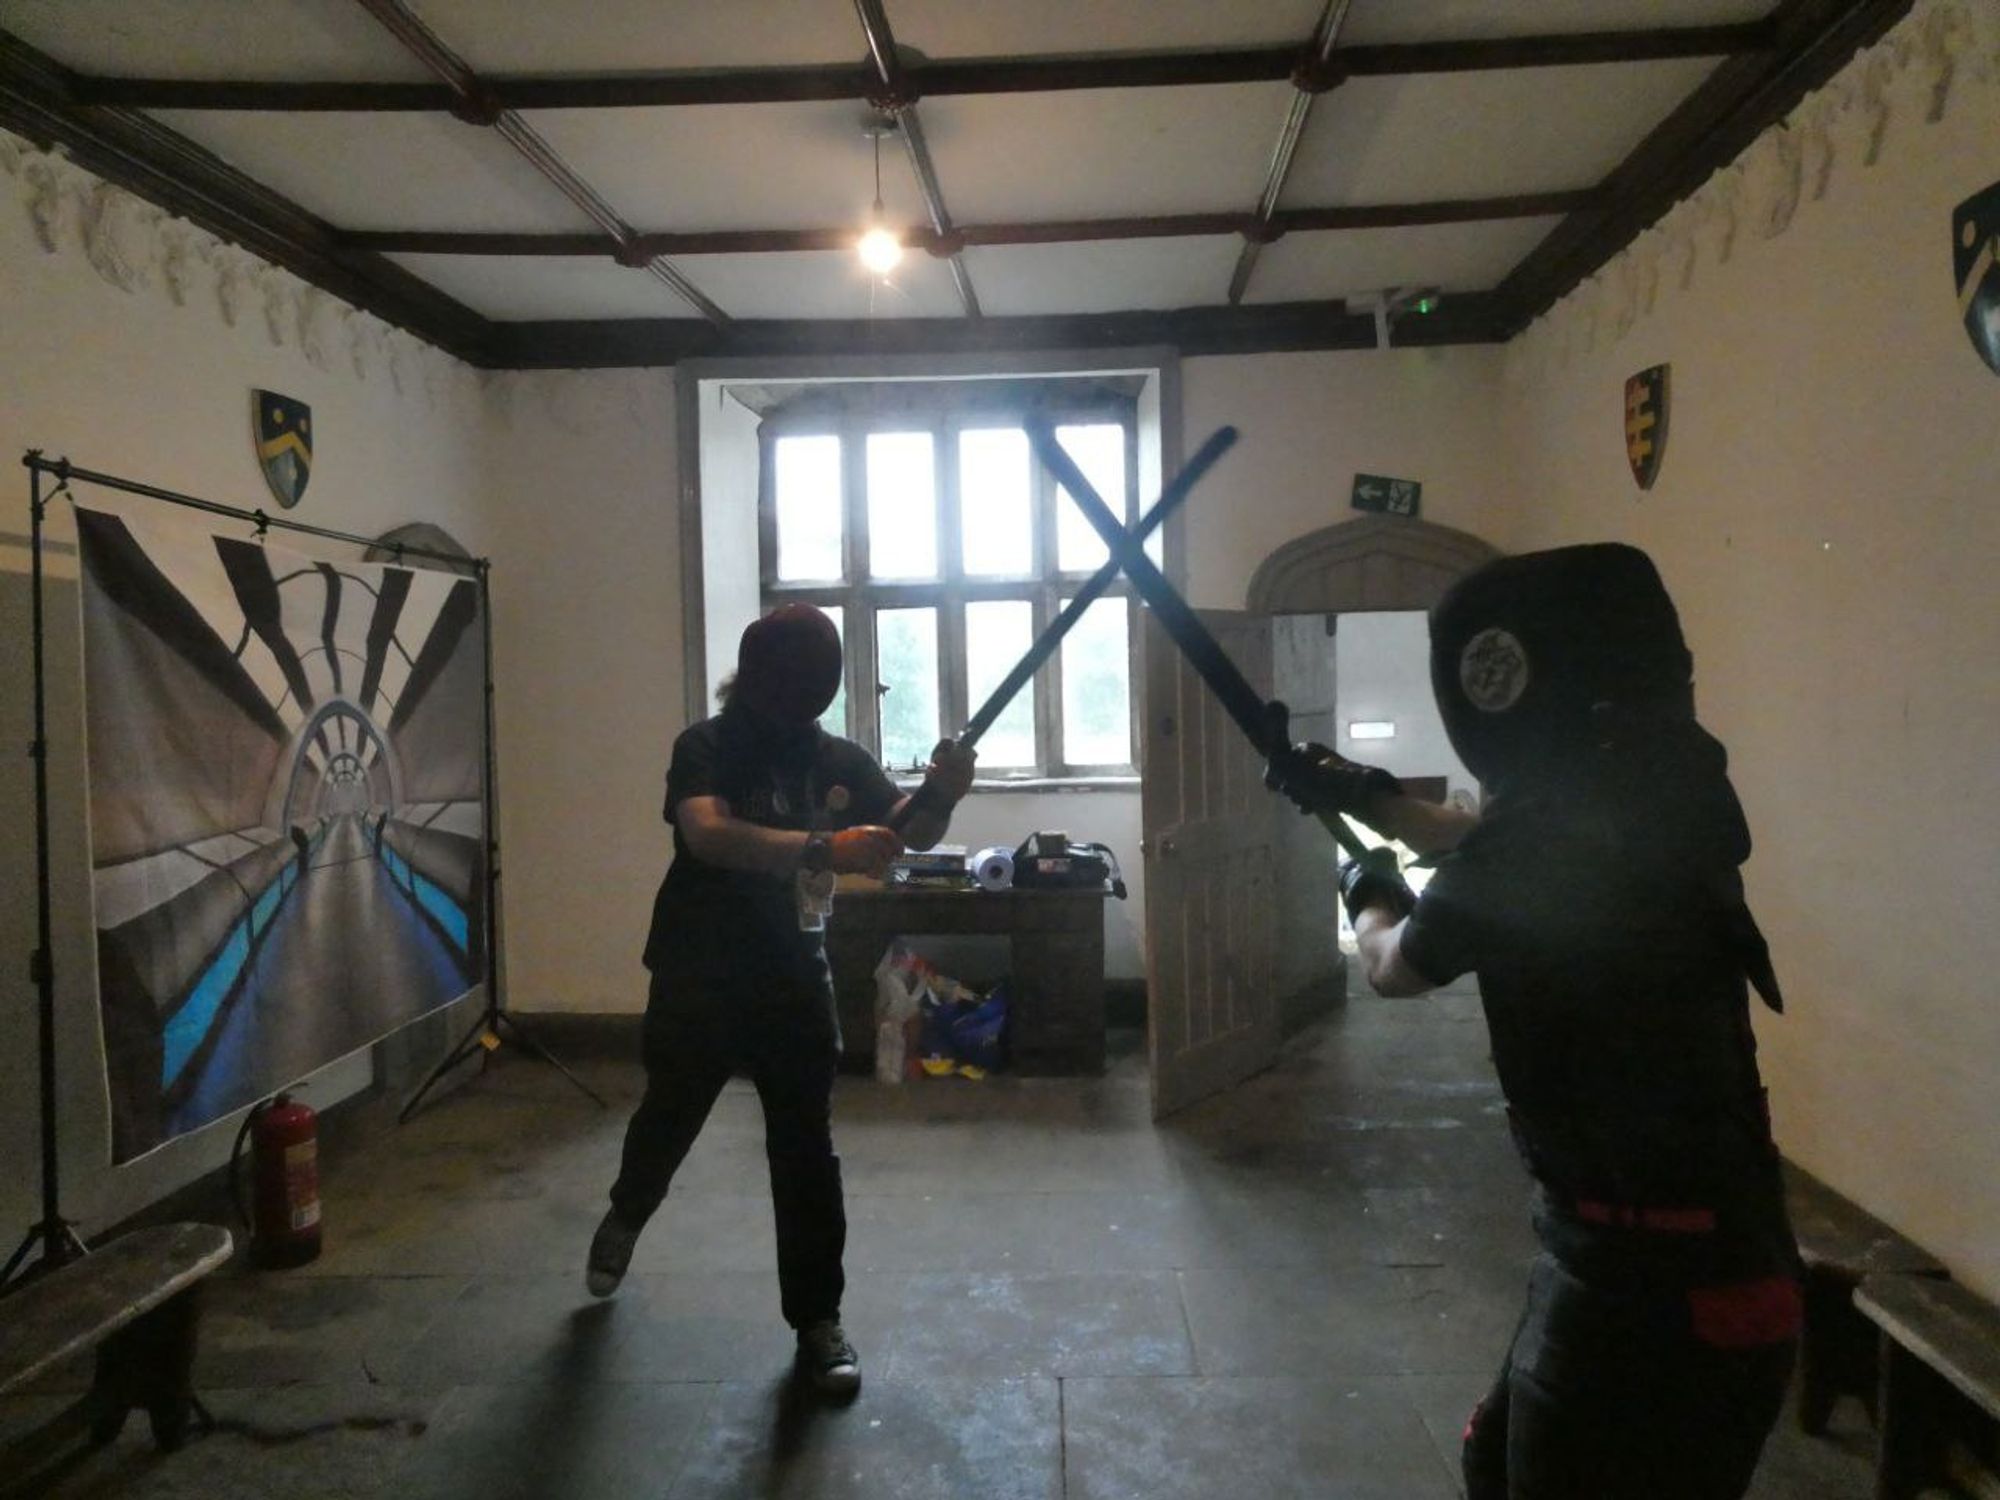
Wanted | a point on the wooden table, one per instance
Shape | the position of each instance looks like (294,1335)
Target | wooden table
(1056,939)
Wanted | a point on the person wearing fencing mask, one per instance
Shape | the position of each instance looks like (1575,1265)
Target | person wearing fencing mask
(1596,896)
(767,809)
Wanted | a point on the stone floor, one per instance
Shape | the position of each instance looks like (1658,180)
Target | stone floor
(1294,1290)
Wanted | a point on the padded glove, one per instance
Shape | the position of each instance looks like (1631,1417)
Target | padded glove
(866,850)
(1375,880)
(1321,780)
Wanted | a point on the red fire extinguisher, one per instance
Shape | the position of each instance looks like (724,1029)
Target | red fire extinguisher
(283,1218)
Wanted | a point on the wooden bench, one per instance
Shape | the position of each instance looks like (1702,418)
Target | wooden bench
(1841,1246)
(136,1301)
(1939,1407)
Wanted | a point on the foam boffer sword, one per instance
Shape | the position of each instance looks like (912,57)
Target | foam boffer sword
(1176,491)
(1267,725)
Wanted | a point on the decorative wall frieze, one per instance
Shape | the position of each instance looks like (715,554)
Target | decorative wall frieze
(140,249)
(1943,57)
(576,402)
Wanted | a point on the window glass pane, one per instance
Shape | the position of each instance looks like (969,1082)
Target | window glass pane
(902,506)
(906,654)
(998,633)
(1097,691)
(995,507)
(807,484)
(834,720)
(1099,450)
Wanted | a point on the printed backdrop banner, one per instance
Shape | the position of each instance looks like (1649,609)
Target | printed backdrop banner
(287,833)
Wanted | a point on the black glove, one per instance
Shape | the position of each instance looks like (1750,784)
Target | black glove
(1375,880)
(1320,780)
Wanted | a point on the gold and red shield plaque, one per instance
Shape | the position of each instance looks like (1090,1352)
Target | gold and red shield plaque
(1646,397)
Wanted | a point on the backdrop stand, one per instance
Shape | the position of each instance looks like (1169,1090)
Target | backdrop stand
(54,1237)
(495,1028)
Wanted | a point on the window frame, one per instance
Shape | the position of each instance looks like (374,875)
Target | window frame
(945,409)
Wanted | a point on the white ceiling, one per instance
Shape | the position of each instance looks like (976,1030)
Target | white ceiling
(384,171)
(1311,267)
(1001,158)
(1481,135)
(1095,153)
(1102,275)
(735,166)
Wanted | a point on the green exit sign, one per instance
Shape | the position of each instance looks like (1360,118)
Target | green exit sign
(1386,496)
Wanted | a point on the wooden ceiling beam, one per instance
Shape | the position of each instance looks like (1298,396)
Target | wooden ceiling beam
(474,103)
(959,76)
(166,168)
(1811,41)
(1253,329)
(1048,232)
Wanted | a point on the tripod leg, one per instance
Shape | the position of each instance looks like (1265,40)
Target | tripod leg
(523,1039)
(467,1045)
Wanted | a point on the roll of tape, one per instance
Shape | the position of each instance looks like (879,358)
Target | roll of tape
(994,868)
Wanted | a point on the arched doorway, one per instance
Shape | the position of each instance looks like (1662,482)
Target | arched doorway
(1373,565)
(1368,563)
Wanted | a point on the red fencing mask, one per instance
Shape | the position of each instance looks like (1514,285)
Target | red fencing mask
(788,664)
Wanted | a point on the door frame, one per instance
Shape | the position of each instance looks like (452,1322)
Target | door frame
(1369,563)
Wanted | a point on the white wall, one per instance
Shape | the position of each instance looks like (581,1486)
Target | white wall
(1309,423)
(590,675)
(102,365)
(1825,518)
(732,592)
(1383,672)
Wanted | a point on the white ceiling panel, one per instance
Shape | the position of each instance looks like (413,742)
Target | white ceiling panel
(550,286)
(735,166)
(1315,266)
(1103,275)
(954,28)
(1098,153)
(294,41)
(1376,21)
(1465,135)
(822,284)
(384,171)
(626,36)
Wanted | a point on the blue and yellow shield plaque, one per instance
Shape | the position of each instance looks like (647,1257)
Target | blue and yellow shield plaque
(1975,256)
(283,429)
(1646,423)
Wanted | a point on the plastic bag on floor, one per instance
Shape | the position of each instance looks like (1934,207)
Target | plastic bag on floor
(963,1031)
(902,985)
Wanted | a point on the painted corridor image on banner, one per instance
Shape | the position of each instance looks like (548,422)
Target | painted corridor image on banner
(287,830)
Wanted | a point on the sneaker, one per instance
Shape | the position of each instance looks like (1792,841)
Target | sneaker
(610,1254)
(828,1360)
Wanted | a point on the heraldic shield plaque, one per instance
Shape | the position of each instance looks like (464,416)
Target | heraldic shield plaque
(1975,256)
(283,429)
(1646,396)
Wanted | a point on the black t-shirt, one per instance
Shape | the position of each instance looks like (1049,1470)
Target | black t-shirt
(739,922)
(1619,1015)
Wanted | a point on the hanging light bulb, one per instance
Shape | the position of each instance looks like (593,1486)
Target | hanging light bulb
(880,247)
(880,251)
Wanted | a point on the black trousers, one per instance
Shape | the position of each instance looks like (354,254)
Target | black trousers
(701,1028)
(1615,1396)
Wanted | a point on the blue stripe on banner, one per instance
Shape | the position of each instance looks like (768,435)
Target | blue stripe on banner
(448,913)
(260,915)
(184,1033)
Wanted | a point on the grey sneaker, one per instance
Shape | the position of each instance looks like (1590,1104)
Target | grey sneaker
(828,1360)
(610,1254)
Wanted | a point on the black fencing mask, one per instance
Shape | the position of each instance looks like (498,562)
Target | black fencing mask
(788,665)
(1537,658)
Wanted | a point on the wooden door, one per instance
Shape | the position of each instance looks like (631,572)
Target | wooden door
(1210,836)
